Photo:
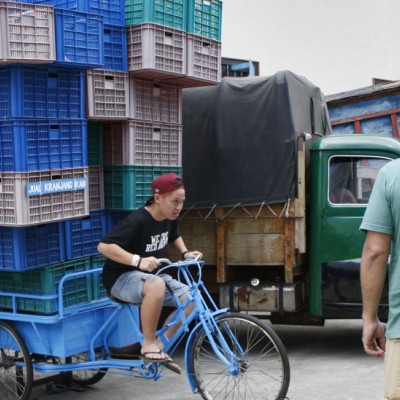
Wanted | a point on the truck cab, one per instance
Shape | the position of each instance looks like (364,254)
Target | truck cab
(343,169)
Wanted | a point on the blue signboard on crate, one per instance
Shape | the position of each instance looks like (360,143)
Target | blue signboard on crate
(56,186)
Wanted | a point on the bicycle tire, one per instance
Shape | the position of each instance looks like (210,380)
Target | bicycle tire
(16,382)
(264,368)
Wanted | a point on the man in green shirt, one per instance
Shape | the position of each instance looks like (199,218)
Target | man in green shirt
(382,224)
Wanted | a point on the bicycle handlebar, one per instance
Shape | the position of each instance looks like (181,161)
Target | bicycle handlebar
(169,262)
(178,264)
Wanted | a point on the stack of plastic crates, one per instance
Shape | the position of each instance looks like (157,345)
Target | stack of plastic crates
(90,114)
(178,41)
(52,212)
(204,40)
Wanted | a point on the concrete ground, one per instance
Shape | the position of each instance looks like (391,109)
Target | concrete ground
(326,363)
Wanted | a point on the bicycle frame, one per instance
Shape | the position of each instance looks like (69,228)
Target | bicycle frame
(205,316)
(198,294)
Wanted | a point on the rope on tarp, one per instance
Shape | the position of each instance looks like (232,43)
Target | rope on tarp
(285,212)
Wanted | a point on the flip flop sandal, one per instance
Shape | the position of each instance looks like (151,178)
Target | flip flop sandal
(156,360)
(172,366)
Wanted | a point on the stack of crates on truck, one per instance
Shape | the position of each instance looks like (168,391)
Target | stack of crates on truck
(373,109)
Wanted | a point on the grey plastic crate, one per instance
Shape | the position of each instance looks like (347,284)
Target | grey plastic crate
(96,188)
(38,197)
(142,143)
(203,59)
(107,94)
(155,49)
(155,101)
(27,33)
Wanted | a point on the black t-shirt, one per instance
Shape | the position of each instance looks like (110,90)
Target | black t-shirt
(139,233)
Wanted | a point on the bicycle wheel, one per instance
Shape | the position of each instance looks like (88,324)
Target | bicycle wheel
(86,377)
(264,371)
(16,371)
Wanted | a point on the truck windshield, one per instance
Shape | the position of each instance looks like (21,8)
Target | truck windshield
(351,178)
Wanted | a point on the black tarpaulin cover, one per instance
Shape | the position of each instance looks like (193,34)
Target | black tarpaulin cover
(239,138)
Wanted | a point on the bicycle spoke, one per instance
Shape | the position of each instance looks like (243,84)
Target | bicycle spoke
(261,369)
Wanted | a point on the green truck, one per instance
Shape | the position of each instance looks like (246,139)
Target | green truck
(277,212)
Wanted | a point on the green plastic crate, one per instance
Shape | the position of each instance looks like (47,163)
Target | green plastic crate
(95,143)
(127,187)
(168,13)
(44,282)
(204,18)
(99,291)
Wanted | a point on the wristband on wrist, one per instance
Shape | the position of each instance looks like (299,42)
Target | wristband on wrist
(183,254)
(135,260)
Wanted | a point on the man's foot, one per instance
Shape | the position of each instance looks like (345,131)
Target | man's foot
(151,352)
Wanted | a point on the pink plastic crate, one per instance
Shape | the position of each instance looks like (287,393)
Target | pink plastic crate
(204,59)
(27,33)
(142,143)
(155,49)
(107,94)
(154,101)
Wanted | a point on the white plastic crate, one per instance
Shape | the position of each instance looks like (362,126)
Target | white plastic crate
(29,198)
(142,143)
(107,94)
(96,188)
(27,33)
(153,101)
(155,49)
(203,59)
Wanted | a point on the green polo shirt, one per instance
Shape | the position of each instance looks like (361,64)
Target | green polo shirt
(383,215)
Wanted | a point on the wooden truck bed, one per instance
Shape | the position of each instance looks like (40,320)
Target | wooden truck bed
(259,235)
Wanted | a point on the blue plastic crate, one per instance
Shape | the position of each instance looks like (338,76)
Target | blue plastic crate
(113,217)
(31,247)
(41,144)
(83,235)
(205,18)
(79,38)
(112,11)
(42,92)
(168,13)
(115,48)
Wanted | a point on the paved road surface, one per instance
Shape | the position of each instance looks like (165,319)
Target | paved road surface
(327,363)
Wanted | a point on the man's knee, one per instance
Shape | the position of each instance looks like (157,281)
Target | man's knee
(154,285)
